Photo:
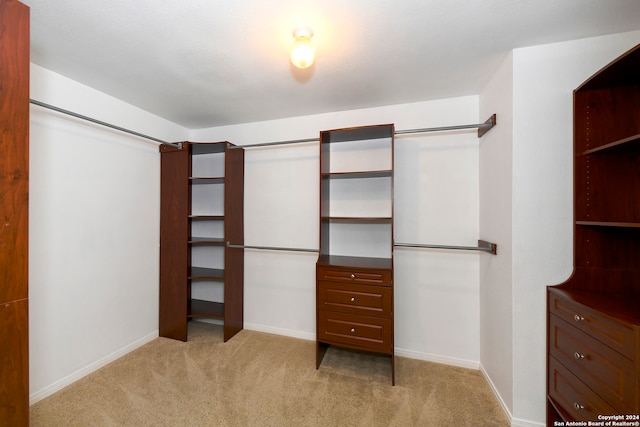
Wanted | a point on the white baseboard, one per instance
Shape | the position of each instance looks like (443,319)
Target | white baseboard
(311,336)
(308,336)
(436,358)
(75,376)
(514,422)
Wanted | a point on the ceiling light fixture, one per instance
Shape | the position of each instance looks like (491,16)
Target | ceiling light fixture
(303,52)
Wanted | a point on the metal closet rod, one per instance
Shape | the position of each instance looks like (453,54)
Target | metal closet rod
(483,246)
(100,122)
(270,248)
(482,129)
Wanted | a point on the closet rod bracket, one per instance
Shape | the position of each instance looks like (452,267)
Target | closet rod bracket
(487,125)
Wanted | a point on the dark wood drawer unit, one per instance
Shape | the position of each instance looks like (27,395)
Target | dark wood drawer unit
(352,314)
(593,318)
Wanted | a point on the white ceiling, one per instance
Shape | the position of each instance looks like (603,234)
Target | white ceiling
(204,63)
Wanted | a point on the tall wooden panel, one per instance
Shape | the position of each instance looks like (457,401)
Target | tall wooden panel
(174,226)
(234,232)
(14,210)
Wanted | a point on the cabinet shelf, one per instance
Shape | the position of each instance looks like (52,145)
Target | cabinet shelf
(206,217)
(613,224)
(206,180)
(356,219)
(358,174)
(213,241)
(631,143)
(204,273)
(202,308)
(358,262)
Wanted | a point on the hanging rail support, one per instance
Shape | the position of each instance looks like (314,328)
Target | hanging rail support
(487,126)
(101,123)
(483,246)
(270,248)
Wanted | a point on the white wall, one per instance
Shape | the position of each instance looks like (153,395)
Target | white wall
(541,246)
(93,231)
(496,323)
(436,201)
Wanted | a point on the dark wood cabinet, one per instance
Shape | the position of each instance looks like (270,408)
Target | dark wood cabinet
(354,272)
(14,213)
(201,208)
(593,318)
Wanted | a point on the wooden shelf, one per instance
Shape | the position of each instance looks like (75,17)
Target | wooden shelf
(202,308)
(358,133)
(206,217)
(207,148)
(206,273)
(363,219)
(358,174)
(630,143)
(213,241)
(206,180)
(352,261)
(609,224)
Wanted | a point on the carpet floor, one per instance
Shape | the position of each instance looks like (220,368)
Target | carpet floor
(259,379)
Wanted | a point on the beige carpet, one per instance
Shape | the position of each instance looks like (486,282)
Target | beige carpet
(258,379)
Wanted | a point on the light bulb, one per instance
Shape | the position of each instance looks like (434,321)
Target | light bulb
(303,52)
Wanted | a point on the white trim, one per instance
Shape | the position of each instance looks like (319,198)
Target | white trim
(514,422)
(462,363)
(280,331)
(496,393)
(436,358)
(75,376)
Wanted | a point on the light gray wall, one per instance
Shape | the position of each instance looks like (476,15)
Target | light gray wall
(93,232)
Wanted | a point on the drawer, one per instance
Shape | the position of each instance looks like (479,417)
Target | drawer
(364,300)
(616,335)
(355,275)
(361,332)
(578,400)
(604,370)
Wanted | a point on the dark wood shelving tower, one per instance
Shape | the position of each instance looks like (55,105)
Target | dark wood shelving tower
(594,317)
(201,208)
(354,287)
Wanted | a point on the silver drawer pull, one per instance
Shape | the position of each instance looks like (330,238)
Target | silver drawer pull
(578,406)
(578,356)
(578,318)
(353,330)
(353,299)
(353,276)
